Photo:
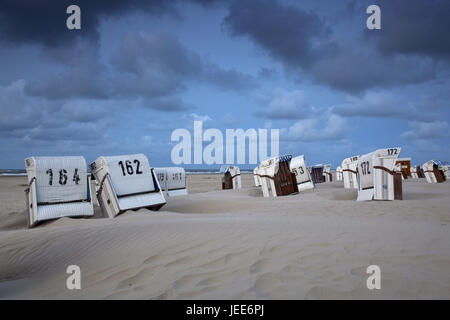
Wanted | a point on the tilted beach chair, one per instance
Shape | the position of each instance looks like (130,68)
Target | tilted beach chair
(126,182)
(339,176)
(57,187)
(276,177)
(327,173)
(302,175)
(432,172)
(349,173)
(172,181)
(377,178)
(316,173)
(231,178)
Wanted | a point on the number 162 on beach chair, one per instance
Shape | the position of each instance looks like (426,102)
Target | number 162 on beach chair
(126,182)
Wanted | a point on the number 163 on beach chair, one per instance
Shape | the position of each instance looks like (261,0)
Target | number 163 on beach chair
(57,187)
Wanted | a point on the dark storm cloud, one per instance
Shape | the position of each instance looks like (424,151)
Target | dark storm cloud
(44,21)
(302,42)
(292,35)
(414,27)
(357,69)
(149,66)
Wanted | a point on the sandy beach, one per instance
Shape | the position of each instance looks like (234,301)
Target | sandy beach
(234,244)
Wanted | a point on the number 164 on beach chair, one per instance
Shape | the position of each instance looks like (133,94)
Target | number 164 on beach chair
(57,187)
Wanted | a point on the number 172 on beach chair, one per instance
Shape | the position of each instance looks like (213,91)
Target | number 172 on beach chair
(376,175)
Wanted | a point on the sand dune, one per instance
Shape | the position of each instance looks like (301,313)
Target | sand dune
(235,244)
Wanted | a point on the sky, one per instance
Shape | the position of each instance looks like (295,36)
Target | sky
(140,69)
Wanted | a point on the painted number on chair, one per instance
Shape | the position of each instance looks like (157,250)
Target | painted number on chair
(365,167)
(392,152)
(63,176)
(128,169)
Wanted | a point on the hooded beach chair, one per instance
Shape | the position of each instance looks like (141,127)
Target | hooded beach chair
(317,173)
(302,175)
(432,172)
(414,171)
(231,177)
(57,187)
(398,170)
(276,177)
(405,166)
(172,181)
(126,182)
(327,173)
(349,173)
(377,178)
(339,176)
(256,177)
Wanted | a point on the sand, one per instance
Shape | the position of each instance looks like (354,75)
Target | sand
(235,244)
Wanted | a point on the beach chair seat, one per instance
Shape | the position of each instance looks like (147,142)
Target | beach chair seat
(377,178)
(126,182)
(172,181)
(231,178)
(276,177)
(432,172)
(349,173)
(57,187)
(302,176)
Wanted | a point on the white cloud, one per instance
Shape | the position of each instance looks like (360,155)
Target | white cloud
(328,127)
(382,104)
(283,104)
(427,130)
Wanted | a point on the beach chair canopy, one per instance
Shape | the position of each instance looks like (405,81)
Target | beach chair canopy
(376,175)
(327,173)
(126,182)
(256,177)
(276,177)
(172,180)
(339,173)
(58,187)
(432,171)
(349,173)
(302,176)
(231,178)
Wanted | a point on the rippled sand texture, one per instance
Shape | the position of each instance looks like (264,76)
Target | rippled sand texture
(235,244)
